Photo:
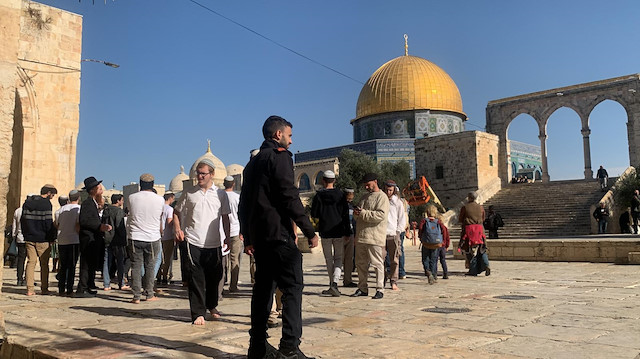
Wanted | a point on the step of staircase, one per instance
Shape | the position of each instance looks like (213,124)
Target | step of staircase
(558,208)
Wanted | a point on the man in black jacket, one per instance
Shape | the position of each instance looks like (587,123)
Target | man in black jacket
(269,209)
(330,207)
(91,237)
(38,231)
(115,242)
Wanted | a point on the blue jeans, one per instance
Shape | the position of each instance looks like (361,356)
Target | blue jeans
(157,264)
(429,260)
(106,265)
(441,255)
(401,271)
(602,226)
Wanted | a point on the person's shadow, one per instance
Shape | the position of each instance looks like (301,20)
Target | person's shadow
(160,343)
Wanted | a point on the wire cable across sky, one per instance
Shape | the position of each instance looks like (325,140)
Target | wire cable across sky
(294,51)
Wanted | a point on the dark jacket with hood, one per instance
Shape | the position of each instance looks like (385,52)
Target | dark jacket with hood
(331,208)
(270,202)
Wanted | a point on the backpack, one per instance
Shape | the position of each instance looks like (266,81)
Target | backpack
(431,233)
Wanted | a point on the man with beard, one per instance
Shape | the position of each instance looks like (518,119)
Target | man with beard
(269,207)
(371,235)
(91,237)
(38,231)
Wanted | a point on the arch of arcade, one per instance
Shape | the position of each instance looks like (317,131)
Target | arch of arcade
(582,98)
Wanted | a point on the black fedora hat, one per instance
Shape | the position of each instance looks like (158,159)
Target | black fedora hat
(90,182)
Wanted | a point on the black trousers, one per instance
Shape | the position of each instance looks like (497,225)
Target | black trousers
(277,264)
(91,255)
(68,259)
(205,272)
(22,255)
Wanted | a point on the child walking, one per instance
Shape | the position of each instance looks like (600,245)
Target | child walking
(434,237)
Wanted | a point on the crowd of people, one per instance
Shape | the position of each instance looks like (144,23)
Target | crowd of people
(211,227)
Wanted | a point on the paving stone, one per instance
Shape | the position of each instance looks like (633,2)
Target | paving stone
(578,310)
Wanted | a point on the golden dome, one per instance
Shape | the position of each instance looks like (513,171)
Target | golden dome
(220,171)
(408,83)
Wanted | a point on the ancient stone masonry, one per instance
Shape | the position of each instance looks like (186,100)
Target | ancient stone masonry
(40,56)
(582,98)
(457,163)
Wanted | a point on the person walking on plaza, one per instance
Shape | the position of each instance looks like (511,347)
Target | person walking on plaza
(269,206)
(55,255)
(91,237)
(330,207)
(602,176)
(493,222)
(433,235)
(396,223)
(236,246)
(349,248)
(39,232)
(16,231)
(635,210)
(115,242)
(197,218)
(601,214)
(371,233)
(473,241)
(625,221)
(402,273)
(68,223)
(167,240)
(144,229)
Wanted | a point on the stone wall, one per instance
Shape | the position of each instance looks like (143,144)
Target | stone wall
(467,161)
(604,250)
(311,169)
(46,107)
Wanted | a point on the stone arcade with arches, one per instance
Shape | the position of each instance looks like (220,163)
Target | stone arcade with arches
(582,99)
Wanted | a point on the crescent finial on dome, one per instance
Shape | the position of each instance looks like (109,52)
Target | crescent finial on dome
(208,146)
(181,169)
(406,45)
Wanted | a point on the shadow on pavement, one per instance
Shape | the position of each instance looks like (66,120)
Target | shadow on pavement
(180,315)
(161,343)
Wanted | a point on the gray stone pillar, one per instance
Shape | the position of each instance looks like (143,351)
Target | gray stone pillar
(543,155)
(588,172)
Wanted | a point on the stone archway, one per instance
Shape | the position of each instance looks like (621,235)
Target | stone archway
(582,98)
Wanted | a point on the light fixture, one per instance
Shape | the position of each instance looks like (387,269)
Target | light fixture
(110,64)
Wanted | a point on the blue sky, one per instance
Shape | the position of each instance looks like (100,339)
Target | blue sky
(188,75)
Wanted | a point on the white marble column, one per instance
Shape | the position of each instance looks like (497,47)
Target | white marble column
(588,172)
(543,155)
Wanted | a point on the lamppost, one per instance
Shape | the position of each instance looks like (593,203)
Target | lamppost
(110,64)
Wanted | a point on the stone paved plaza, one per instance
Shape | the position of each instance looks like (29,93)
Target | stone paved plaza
(523,310)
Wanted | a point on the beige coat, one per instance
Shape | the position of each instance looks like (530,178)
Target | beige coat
(371,223)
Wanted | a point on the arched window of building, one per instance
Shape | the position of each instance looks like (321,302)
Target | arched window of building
(303,183)
(319,178)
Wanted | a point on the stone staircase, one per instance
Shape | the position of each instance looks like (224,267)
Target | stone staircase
(559,208)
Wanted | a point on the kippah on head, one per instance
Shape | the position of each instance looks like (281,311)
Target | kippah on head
(74,195)
(329,174)
(349,190)
(229,179)
(207,162)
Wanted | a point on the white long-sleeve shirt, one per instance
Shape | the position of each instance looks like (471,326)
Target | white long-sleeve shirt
(396,220)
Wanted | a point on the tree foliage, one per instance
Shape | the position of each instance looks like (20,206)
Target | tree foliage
(354,165)
(623,191)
